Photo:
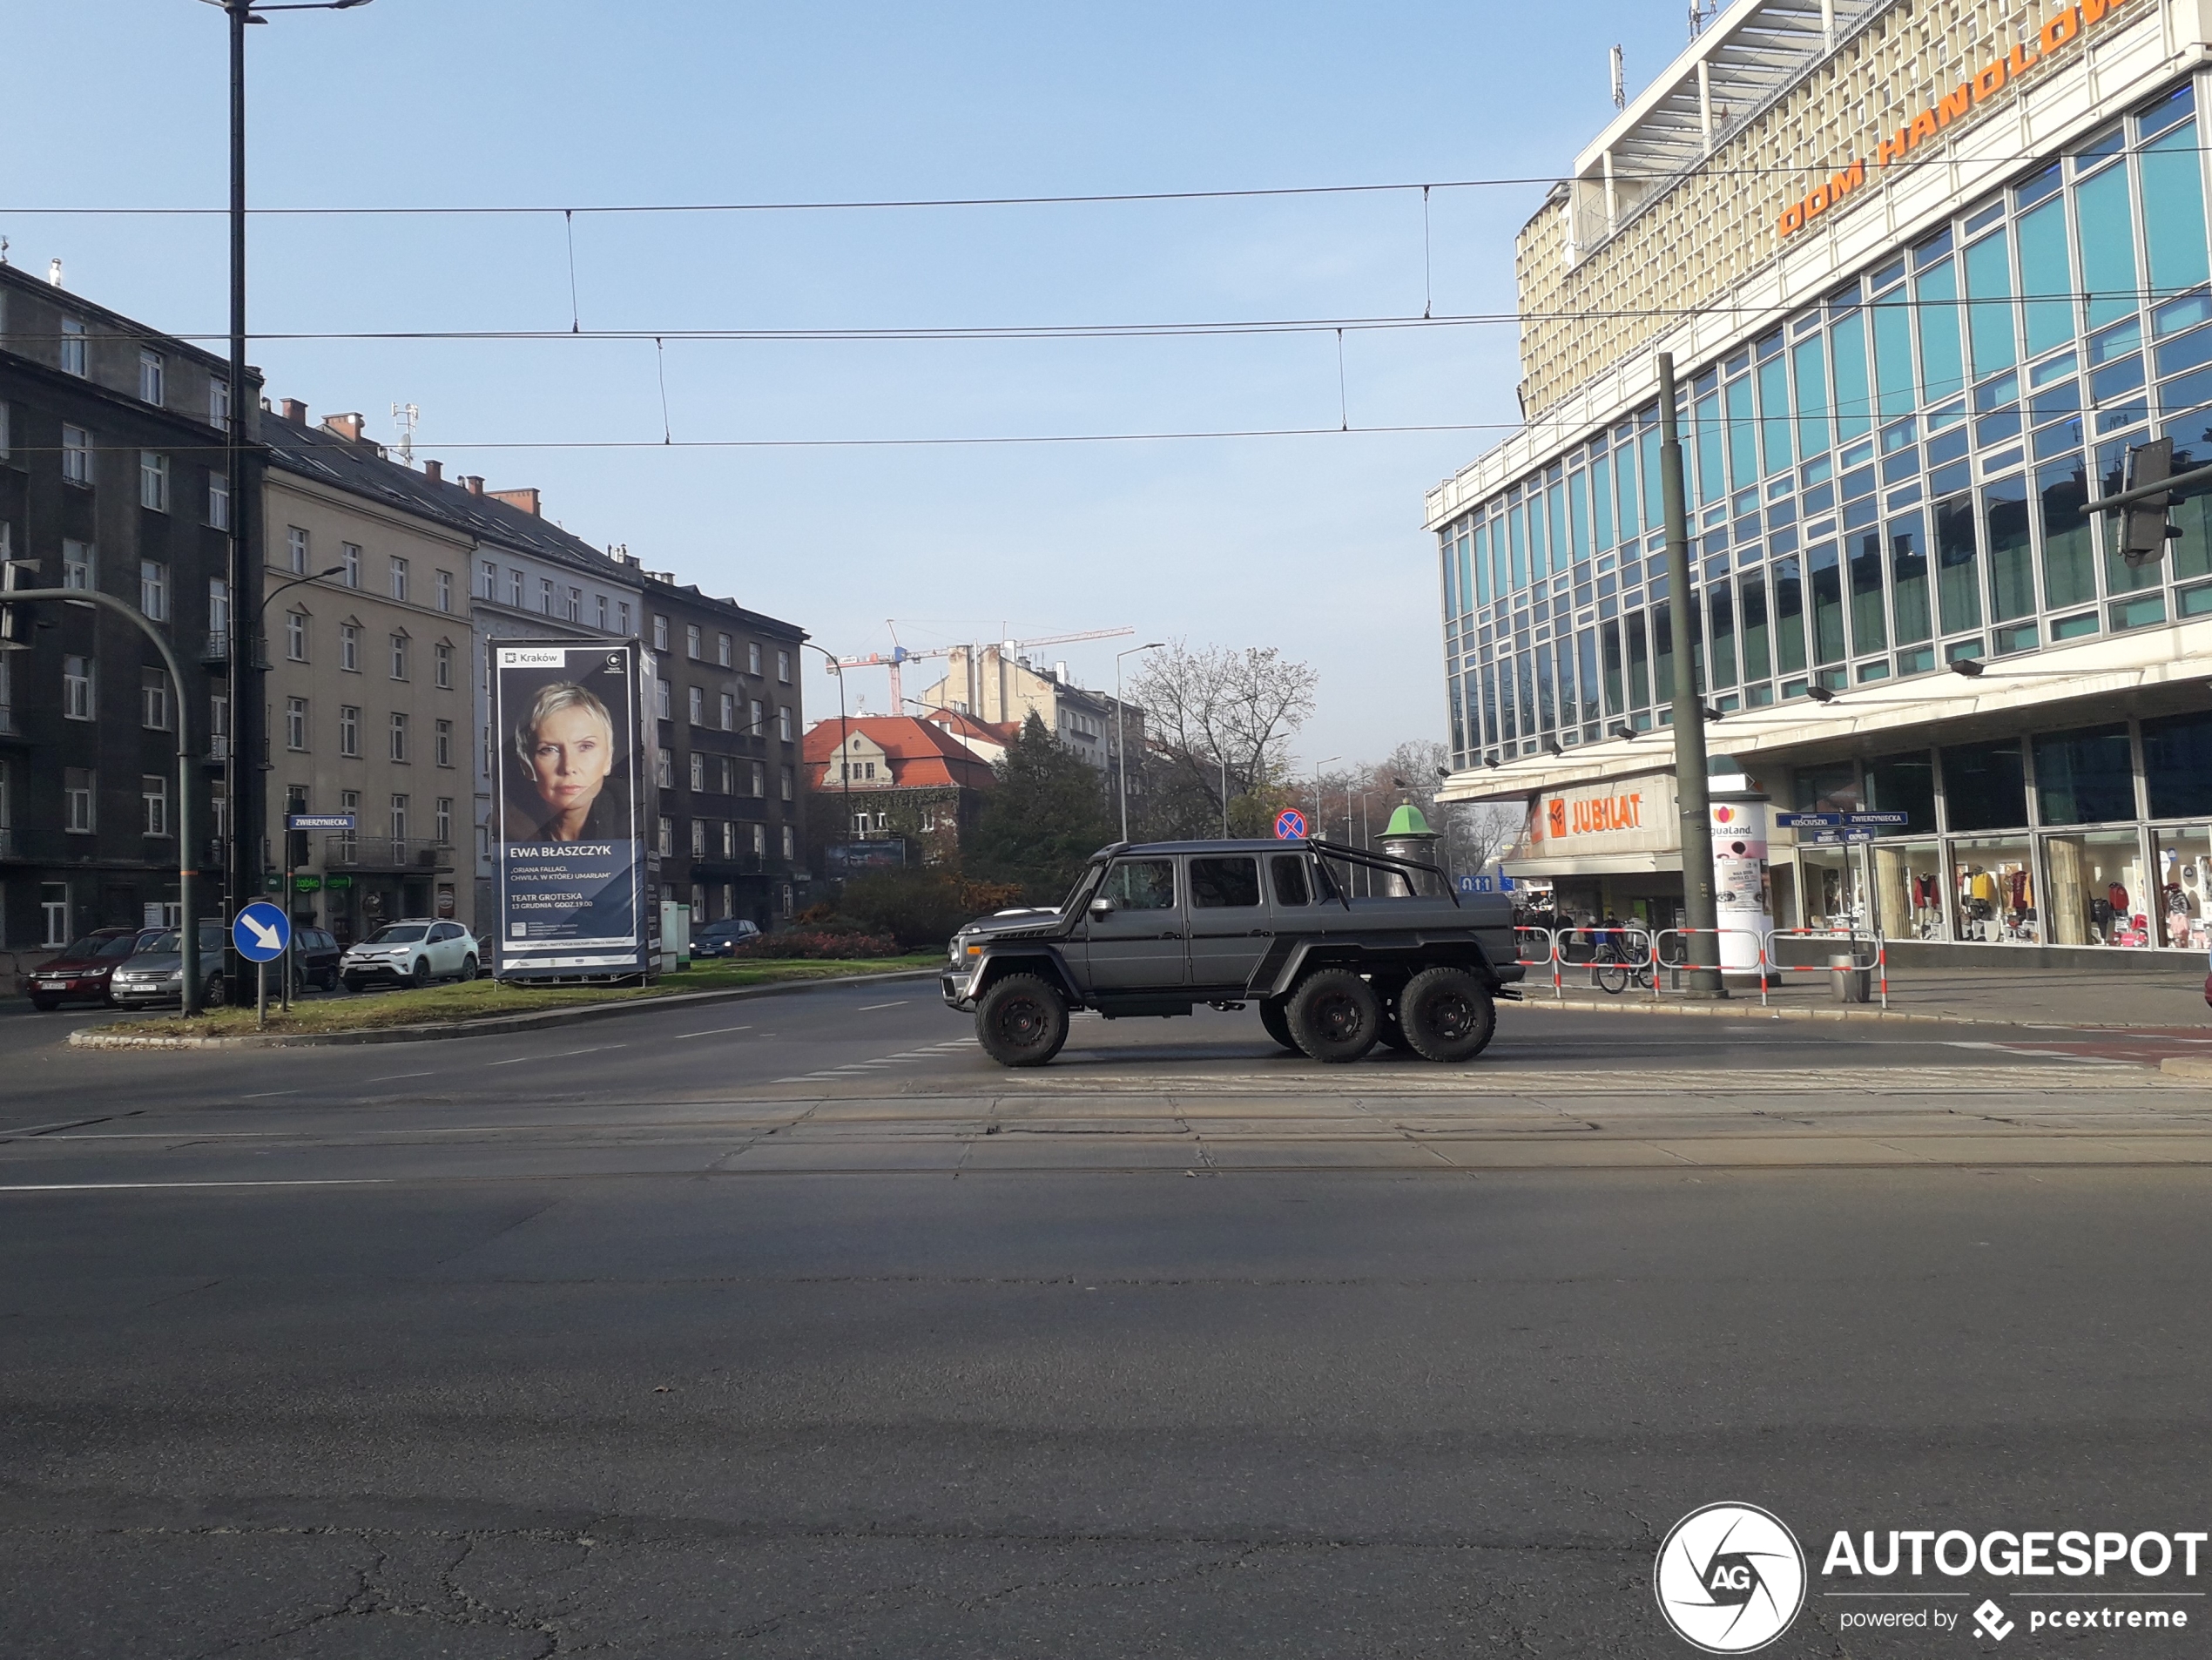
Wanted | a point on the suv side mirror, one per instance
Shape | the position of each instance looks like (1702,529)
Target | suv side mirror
(1101,909)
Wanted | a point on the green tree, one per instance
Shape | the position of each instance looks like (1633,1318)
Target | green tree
(1046,816)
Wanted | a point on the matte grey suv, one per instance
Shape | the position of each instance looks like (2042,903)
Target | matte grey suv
(1158,928)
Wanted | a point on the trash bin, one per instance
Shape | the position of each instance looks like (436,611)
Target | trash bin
(1854,984)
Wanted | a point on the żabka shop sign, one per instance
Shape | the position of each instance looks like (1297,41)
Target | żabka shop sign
(1630,815)
(2063,29)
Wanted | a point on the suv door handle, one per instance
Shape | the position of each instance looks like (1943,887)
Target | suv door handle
(1170,934)
(1261,933)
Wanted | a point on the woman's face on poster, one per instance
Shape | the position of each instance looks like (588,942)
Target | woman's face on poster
(571,759)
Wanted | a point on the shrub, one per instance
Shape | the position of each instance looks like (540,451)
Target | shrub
(822,944)
(922,908)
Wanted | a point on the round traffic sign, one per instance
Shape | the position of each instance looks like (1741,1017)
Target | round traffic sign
(1290,825)
(261,931)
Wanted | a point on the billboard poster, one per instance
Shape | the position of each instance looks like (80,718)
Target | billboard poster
(572,802)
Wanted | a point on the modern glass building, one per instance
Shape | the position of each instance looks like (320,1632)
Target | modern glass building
(1940,270)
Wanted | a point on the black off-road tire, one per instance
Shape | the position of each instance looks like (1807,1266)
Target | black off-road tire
(1278,1023)
(1449,1016)
(1335,1015)
(1022,1021)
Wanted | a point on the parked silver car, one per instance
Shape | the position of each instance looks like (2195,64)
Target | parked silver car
(411,952)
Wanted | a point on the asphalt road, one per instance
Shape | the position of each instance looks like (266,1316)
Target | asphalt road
(792,1326)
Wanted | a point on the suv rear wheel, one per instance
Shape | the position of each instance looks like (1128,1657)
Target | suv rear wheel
(1335,1015)
(1277,1022)
(1448,1014)
(1021,1021)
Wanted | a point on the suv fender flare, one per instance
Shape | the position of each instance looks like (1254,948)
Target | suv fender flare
(1038,957)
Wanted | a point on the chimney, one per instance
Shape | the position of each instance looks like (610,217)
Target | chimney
(54,274)
(473,483)
(295,410)
(434,470)
(525,498)
(347,427)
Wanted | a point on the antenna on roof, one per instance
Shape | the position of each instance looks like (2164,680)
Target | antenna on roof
(1700,13)
(406,414)
(3,250)
(1619,81)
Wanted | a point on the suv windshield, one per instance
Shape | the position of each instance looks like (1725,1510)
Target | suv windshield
(398,934)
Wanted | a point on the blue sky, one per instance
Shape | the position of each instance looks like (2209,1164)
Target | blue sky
(1311,543)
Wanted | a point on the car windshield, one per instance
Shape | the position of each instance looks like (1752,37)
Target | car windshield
(398,934)
(149,943)
(118,945)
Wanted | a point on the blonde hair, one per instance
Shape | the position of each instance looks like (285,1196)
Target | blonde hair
(550,701)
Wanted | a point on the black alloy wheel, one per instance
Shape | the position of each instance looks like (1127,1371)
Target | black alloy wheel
(1022,1021)
(211,995)
(1335,1015)
(1449,1016)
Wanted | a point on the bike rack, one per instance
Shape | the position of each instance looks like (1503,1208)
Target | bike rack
(1878,961)
(1550,957)
(1684,934)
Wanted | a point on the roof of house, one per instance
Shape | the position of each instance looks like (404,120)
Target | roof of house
(962,725)
(922,756)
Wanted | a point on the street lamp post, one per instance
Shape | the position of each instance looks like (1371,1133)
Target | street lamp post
(844,762)
(1120,727)
(1318,820)
(259,614)
(241,770)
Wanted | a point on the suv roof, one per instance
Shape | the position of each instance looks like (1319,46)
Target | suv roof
(1268,844)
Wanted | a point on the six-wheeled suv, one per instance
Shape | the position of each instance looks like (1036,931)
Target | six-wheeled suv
(1161,927)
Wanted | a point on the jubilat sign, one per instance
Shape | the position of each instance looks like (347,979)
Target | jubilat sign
(2063,29)
(1631,815)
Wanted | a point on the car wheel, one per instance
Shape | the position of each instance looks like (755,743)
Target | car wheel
(45,1005)
(468,969)
(211,993)
(1021,1021)
(418,976)
(1335,1016)
(1449,1015)
(1277,1022)
(351,983)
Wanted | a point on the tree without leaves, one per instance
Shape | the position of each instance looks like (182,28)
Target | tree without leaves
(1046,816)
(1205,707)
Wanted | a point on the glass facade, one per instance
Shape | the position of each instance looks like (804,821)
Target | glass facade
(1891,481)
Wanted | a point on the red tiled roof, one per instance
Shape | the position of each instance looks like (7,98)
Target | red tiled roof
(922,756)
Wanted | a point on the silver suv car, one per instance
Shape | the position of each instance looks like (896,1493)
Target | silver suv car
(411,952)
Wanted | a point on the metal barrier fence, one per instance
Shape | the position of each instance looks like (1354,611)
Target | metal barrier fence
(1550,937)
(1877,953)
(1643,951)
(1758,945)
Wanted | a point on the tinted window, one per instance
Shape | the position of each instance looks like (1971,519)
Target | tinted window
(1290,886)
(398,934)
(1218,884)
(1983,786)
(446,931)
(2085,777)
(2177,763)
(1141,885)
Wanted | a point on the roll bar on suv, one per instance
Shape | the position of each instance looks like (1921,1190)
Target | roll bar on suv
(1393,864)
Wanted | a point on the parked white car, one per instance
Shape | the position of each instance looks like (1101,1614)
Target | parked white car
(411,952)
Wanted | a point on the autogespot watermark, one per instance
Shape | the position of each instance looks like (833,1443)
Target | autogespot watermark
(1730,1579)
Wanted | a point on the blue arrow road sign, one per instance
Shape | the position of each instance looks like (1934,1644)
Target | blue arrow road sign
(1290,825)
(261,932)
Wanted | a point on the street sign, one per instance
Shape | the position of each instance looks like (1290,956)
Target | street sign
(1838,837)
(1808,820)
(322,820)
(338,882)
(1290,825)
(1499,883)
(1878,817)
(260,932)
(307,884)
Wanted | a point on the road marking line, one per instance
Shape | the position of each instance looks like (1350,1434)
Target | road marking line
(517,1060)
(563,1055)
(157,1187)
(388,1077)
(263,1095)
(714,1031)
(868,1007)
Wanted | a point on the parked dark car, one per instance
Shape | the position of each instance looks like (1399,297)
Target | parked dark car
(82,972)
(315,953)
(720,939)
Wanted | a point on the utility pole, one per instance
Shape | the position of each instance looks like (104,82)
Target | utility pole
(1696,829)
(242,760)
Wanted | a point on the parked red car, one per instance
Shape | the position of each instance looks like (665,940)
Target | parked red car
(80,974)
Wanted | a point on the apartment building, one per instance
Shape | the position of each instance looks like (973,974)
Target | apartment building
(999,686)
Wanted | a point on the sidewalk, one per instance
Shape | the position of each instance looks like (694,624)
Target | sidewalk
(2007,997)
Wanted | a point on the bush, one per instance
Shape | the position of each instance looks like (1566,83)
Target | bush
(820,944)
(922,908)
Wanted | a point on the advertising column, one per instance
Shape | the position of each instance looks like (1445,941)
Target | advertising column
(573,798)
(1740,899)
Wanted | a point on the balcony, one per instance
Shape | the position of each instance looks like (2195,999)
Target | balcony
(386,852)
(215,650)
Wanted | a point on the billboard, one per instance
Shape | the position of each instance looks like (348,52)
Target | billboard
(572,799)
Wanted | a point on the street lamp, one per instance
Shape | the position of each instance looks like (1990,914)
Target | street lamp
(844,762)
(1318,765)
(1121,726)
(243,781)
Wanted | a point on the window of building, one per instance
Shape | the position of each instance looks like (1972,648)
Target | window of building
(6,431)
(664,768)
(151,377)
(295,636)
(699,838)
(219,613)
(153,801)
(760,836)
(545,595)
(153,481)
(153,590)
(783,722)
(295,723)
(80,567)
(77,456)
(692,641)
(722,649)
(399,657)
(2085,777)
(782,667)
(696,700)
(349,647)
(665,842)
(515,588)
(752,716)
(663,704)
(80,693)
(790,842)
(219,725)
(445,590)
(218,404)
(219,501)
(698,770)
(441,663)
(487,580)
(399,821)
(399,735)
(599,607)
(759,780)
(445,821)
(154,712)
(622,608)
(398,578)
(349,730)
(444,732)
(660,632)
(350,559)
(73,354)
(80,793)
(575,611)
(295,549)
(789,783)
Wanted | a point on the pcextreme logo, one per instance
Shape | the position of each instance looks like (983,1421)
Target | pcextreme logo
(1730,1578)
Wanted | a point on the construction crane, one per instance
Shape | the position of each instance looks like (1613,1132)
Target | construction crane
(899,655)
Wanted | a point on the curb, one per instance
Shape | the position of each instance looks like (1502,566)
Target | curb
(1732,1008)
(494,1025)
(2186,1066)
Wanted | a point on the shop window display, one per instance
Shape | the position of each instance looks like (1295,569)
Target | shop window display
(1993,890)
(1908,890)
(2181,912)
(2098,895)
(1831,888)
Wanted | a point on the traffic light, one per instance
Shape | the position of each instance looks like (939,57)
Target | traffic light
(15,620)
(2144,530)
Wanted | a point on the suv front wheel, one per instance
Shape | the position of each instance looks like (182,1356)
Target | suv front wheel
(1448,1014)
(1021,1021)
(1335,1015)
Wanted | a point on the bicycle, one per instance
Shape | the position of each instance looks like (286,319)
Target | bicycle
(1614,965)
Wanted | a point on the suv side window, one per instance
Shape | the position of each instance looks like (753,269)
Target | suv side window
(1290,886)
(445,931)
(1225,883)
(1141,885)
